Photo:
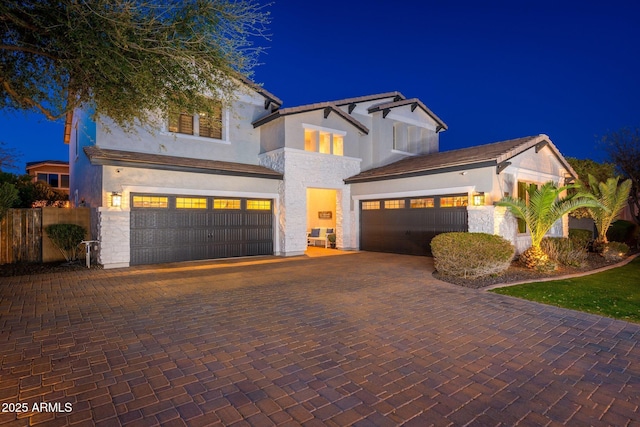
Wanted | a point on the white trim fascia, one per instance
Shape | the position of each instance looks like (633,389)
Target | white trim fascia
(531,175)
(323,129)
(416,193)
(195,192)
(406,120)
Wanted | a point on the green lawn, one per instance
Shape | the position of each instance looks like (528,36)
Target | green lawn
(612,293)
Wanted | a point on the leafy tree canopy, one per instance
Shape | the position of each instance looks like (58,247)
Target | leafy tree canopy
(585,167)
(125,59)
(623,148)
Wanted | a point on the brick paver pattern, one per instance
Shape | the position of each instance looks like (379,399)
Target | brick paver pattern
(363,339)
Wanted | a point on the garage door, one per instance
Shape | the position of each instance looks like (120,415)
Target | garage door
(407,225)
(169,228)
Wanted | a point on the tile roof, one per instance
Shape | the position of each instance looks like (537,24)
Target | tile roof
(466,158)
(262,91)
(103,156)
(332,106)
(414,102)
(47,162)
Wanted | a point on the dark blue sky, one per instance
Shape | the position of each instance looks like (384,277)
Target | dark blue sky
(491,70)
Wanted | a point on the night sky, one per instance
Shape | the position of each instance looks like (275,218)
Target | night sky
(491,70)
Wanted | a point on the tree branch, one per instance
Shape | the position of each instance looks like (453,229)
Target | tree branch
(29,50)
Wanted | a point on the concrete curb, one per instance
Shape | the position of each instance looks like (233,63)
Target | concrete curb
(568,276)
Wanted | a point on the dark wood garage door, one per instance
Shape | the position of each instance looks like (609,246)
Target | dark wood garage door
(407,225)
(168,228)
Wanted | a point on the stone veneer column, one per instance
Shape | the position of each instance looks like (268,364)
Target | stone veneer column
(114,233)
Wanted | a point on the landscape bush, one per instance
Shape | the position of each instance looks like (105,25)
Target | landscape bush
(622,231)
(471,255)
(66,237)
(564,251)
(580,238)
(614,251)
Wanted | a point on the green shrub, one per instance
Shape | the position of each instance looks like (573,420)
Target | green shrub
(614,251)
(564,251)
(471,255)
(580,238)
(621,231)
(66,237)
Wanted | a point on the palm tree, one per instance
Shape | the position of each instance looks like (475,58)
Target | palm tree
(612,198)
(543,209)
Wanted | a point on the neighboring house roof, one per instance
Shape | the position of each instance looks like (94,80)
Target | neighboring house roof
(329,107)
(415,103)
(31,165)
(102,156)
(496,154)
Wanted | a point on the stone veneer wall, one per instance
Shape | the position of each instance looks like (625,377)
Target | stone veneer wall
(113,232)
(304,170)
(498,220)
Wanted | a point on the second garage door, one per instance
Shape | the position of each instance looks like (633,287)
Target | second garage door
(407,225)
(169,228)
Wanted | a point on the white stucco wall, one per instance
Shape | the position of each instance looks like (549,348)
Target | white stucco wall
(303,170)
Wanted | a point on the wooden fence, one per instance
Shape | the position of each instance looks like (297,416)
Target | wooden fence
(22,238)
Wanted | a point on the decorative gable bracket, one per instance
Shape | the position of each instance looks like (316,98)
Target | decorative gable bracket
(502,166)
(541,145)
(327,111)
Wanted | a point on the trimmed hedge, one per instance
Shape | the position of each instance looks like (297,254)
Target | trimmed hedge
(580,238)
(614,251)
(565,251)
(471,255)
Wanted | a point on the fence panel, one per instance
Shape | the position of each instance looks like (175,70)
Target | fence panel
(21,236)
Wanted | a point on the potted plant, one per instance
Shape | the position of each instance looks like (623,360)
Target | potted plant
(332,240)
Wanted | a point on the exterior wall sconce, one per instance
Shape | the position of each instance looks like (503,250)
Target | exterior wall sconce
(116,199)
(478,199)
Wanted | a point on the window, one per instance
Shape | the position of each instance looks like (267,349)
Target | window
(150,202)
(310,137)
(181,123)
(427,202)
(226,204)
(210,125)
(394,204)
(454,201)
(191,203)
(324,141)
(338,145)
(259,205)
(54,180)
(207,125)
(397,137)
(367,206)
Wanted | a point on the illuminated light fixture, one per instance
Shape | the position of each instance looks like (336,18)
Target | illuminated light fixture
(116,199)
(478,199)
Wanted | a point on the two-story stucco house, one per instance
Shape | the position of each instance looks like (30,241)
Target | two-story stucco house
(255,179)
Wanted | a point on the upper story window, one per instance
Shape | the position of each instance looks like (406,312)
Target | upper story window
(55,180)
(324,141)
(410,139)
(203,124)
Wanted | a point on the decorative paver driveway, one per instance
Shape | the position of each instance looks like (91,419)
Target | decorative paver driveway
(364,339)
